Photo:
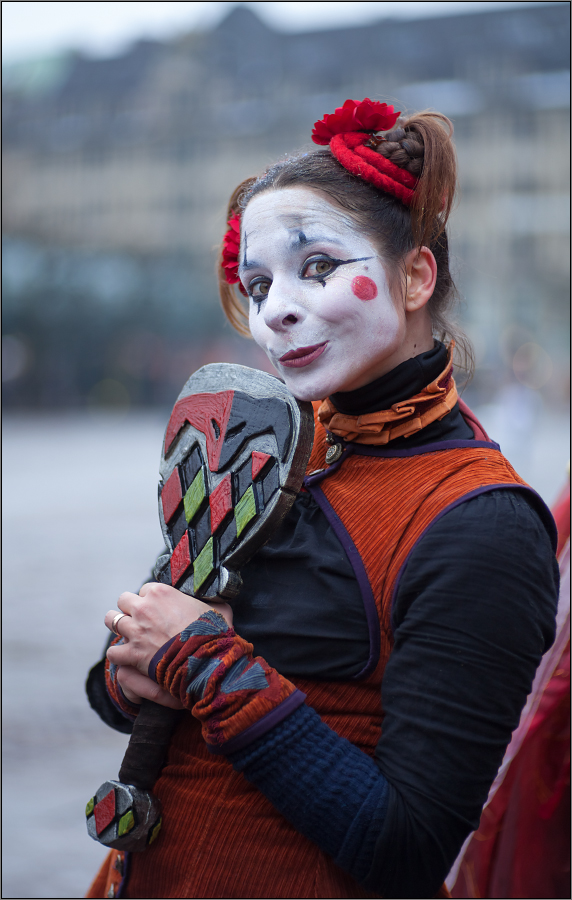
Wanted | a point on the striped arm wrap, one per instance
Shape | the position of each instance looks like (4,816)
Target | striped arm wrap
(211,670)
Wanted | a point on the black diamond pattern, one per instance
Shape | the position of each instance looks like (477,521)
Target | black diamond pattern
(200,530)
(190,467)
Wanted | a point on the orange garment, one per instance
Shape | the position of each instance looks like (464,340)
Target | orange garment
(221,837)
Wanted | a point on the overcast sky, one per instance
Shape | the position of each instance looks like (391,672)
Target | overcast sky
(103,28)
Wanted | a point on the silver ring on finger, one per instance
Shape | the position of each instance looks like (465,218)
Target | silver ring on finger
(115,623)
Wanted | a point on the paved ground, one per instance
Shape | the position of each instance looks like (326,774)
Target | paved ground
(80,526)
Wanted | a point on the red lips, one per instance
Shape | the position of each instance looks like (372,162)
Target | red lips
(303,356)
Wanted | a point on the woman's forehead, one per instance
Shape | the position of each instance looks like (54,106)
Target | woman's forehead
(295,210)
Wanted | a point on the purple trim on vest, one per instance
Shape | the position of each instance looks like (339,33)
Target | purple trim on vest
(388,453)
(364,450)
(152,670)
(361,576)
(310,480)
(542,509)
(268,721)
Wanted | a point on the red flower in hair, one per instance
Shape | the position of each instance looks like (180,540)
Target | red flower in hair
(231,249)
(367,115)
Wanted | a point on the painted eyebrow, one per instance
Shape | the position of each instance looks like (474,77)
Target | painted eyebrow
(296,245)
(302,241)
(252,264)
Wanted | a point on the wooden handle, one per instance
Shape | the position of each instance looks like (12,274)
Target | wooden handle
(148,745)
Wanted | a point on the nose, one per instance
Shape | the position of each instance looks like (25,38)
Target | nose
(281,310)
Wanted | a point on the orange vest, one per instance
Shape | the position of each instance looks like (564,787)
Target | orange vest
(221,837)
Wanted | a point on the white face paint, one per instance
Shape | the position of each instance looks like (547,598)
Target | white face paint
(306,267)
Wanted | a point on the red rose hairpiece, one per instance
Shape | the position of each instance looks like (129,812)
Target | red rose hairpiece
(348,130)
(369,115)
(230,251)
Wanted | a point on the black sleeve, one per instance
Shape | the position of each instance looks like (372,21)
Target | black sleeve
(474,613)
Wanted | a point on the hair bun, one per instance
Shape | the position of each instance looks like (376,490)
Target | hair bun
(405,148)
(396,135)
(414,149)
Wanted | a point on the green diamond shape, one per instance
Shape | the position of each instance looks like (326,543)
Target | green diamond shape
(195,496)
(245,510)
(89,807)
(203,564)
(126,823)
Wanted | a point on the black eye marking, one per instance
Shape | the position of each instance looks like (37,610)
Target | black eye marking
(345,262)
(336,262)
(244,260)
(302,239)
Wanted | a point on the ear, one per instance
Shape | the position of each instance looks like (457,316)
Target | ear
(421,271)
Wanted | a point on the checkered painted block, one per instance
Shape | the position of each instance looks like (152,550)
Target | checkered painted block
(233,460)
(198,529)
(121,816)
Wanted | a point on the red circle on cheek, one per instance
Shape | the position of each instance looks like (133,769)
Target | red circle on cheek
(364,288)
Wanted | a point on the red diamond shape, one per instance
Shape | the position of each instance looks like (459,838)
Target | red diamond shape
(221,502)
(171,495)
(104,812)
(259,460)
(180,560)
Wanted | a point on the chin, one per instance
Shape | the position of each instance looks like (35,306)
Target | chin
(311,388)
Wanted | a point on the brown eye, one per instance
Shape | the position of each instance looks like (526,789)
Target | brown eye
(319,267)
(258,290)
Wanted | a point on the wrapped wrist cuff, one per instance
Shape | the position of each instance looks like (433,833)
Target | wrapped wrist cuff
(211,670)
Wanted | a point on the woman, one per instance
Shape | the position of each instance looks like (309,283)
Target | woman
(413,584)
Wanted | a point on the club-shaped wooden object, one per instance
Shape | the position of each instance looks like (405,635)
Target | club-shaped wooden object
(234,456)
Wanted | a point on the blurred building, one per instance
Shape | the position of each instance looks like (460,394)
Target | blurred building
(117,173)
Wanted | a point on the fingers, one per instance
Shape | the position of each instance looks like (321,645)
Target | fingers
(126,604)
(135,684)
(127,655)
(155,587)
(121,625)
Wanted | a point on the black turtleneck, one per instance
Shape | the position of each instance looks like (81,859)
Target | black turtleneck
(403,382)
(406,380)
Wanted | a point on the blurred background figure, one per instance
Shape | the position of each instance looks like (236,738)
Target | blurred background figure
(116,173)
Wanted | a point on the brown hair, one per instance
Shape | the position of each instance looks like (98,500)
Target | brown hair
(420,144)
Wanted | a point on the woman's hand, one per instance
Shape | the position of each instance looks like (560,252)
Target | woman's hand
(137,687)
(157,613)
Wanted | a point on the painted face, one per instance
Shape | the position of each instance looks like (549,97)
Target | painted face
(320,304)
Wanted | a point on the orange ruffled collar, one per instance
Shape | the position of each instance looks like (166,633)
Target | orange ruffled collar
(402,419)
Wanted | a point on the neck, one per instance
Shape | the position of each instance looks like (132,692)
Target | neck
(402,382)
